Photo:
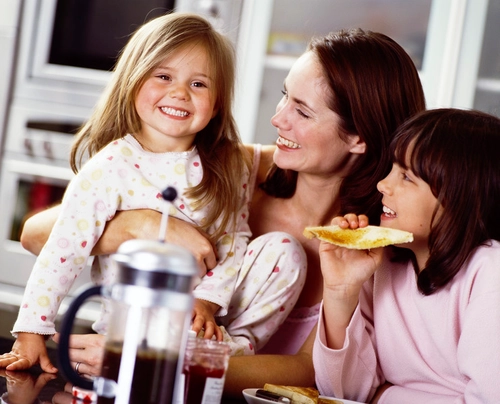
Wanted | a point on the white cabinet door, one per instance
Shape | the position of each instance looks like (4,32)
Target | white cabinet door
(454,44)
(274,33)
(486,92)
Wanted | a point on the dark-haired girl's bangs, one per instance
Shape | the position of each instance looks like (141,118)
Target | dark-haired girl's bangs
(399,147)
(413,149)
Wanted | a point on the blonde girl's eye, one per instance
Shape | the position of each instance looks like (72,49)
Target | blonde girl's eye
(199,84)
(164,77)
(285,93)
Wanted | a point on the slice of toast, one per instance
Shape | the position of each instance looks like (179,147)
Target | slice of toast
(363,238)
(297,395)
(324,400)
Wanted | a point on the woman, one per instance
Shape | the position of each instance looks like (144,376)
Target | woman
(343,99)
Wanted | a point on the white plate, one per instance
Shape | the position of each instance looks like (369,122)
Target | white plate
(341,400)
(250,397)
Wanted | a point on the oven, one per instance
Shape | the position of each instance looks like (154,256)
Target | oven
(68,47)
(34,175)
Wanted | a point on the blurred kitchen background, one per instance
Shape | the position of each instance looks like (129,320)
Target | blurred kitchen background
(55,57)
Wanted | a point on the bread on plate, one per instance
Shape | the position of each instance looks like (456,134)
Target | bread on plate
(300,395)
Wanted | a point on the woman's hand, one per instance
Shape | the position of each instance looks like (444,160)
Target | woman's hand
(195,240)
(86,349)
(37,228)
(145,224)
(127,225)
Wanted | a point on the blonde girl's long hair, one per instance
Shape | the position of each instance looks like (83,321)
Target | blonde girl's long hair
(221,152)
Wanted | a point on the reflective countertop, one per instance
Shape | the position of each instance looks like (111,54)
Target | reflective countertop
(36,387)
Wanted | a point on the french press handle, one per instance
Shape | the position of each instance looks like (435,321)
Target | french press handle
(66,369)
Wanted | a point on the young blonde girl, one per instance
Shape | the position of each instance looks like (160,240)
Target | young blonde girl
(165,119)
(419,323)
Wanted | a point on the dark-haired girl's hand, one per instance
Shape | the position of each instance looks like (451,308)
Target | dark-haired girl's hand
(351,221)
(344,272)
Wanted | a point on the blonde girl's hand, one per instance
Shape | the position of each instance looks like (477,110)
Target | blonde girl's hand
(203,319)
(28,350)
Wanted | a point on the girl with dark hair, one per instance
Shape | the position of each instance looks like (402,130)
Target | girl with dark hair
(420,322)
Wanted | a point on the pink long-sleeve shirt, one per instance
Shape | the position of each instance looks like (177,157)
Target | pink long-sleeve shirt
(442,348)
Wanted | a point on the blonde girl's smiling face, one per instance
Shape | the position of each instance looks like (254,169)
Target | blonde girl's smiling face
(409,204)
(176,101)
(308,130)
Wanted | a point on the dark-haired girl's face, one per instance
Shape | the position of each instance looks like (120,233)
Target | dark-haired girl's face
(308,130)
(408,205)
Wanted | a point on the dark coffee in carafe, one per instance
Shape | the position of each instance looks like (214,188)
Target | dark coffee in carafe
(153,380)
(150,302)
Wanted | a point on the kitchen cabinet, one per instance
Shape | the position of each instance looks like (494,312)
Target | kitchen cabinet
(9,24)
(487,86)
(453,43)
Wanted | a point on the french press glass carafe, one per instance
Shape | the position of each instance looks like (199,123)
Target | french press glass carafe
(151,303)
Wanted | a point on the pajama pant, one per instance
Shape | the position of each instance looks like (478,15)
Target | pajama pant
(269,283)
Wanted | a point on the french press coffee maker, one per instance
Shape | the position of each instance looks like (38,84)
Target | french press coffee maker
(151,304)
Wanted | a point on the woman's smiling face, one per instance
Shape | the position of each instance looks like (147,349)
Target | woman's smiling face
(309,136)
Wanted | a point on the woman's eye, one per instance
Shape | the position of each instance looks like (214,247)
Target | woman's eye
(285,93)
(302,113)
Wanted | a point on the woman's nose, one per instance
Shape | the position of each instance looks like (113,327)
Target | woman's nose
(278,119)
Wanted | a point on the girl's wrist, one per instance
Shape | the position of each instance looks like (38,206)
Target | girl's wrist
(342,293)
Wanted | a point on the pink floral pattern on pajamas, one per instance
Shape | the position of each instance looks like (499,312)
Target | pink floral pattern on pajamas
(122,176)
(268,286)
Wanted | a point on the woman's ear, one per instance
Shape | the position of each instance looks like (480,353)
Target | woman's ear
(358,146)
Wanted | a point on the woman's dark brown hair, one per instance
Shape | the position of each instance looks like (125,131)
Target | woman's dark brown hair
(456,153)
(375,87)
